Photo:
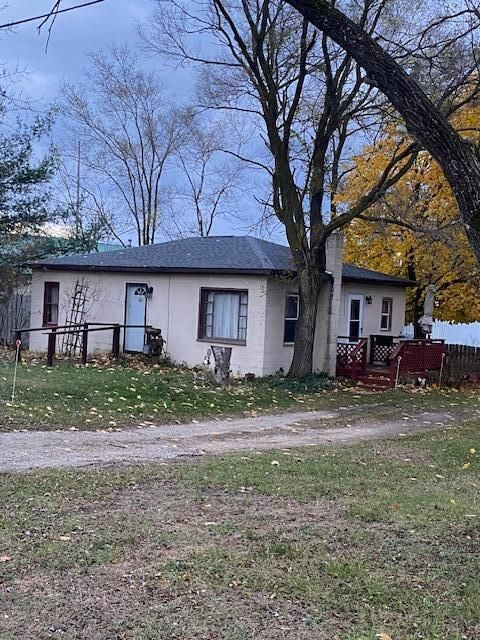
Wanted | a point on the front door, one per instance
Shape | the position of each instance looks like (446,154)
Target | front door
(355,316)
(135,311)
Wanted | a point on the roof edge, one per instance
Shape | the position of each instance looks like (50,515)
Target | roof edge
(136,269)
(388,280)
(399,282)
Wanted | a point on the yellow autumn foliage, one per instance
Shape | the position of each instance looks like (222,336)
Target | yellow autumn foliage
(423,199)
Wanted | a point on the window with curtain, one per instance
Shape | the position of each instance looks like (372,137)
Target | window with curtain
(386,317)
(291,317)
(223,314)
(50,303)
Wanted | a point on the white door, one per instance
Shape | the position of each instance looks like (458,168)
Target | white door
(135,308)
(355,316)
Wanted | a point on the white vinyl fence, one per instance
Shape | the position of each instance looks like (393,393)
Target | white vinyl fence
(452,333)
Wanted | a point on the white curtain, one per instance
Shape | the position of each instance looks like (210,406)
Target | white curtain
(54,296)
(225,315)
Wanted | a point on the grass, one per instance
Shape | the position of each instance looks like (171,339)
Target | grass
(112,396)
(338,543)
(115,396)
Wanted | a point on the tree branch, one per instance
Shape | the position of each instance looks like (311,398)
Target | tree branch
(50,15)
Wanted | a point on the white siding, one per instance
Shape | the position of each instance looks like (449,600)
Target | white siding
(372,312)
(277,354)
(174,307)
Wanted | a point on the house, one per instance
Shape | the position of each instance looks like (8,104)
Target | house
(222,290)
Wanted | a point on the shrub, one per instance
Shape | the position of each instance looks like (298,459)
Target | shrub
(311,383)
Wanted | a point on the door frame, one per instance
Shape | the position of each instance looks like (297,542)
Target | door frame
(350,297)
(132,284)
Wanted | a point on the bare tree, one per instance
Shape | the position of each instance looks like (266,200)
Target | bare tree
(306,99)
(250,32)
(209,183)
(129,132)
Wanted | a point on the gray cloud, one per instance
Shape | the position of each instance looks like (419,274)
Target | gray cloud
(73,35)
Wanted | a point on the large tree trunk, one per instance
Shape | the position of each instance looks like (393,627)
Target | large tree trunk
(458,158)
(309,285)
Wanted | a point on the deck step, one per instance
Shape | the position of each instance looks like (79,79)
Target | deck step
(376,378)
(374,382)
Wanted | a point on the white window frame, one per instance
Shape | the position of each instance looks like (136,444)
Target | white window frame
(388,315)
(360,298)
(285,317)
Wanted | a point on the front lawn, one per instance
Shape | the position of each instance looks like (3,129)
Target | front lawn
(338,543)
(112,396)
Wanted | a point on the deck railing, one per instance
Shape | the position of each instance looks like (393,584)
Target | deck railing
(351,357)
(404,357)
(381,348)
(417,357)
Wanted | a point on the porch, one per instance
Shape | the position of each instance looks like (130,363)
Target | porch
(379,361)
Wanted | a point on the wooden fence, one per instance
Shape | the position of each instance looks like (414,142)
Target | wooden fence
(462,364)
(14,314)
(84,329)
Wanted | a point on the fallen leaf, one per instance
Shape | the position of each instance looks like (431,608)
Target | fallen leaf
(5,558)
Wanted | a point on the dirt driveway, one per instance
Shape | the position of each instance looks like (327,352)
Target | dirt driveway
(22,451)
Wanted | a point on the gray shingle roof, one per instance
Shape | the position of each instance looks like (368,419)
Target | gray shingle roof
(215,254)
(351,272)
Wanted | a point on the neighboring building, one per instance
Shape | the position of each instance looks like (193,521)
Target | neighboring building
(228,290)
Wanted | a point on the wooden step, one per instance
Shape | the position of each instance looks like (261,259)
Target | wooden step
(376,378)
(378,381)
(375,381)
(375,387)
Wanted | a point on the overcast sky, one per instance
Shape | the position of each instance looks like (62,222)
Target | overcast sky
(74,34)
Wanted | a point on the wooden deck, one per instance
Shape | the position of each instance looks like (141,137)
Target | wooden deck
(403,359)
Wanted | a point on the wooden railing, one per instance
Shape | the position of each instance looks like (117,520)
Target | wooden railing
(381,348)
(416,357)
(408,357)
(351,357)
(85,328)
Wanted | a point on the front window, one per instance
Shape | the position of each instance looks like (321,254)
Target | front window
(223,314)
(291,317)
(386,318)
(50,303)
